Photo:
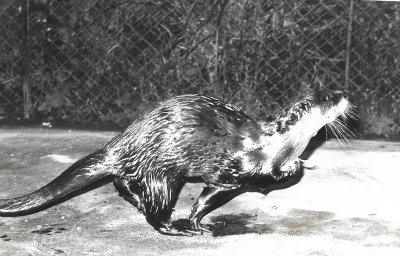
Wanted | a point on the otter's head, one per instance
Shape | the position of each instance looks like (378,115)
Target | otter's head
(330,104)
(297,124)
(310,114)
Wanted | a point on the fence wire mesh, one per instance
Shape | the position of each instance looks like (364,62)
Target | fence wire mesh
(101,62)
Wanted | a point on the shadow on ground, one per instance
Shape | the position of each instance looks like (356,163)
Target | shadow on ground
(298,222)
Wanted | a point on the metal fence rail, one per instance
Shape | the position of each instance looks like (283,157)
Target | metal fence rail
(103,61)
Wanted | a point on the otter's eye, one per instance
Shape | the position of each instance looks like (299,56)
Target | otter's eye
(328,97)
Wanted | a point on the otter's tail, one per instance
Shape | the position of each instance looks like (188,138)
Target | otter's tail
(82,176)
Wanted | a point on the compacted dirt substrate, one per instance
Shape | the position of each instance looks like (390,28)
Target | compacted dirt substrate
(348,204)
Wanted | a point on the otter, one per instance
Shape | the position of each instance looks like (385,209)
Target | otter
(192,137)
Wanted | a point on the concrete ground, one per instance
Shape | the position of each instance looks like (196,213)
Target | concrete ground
(347,205)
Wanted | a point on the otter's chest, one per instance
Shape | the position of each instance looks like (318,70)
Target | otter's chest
(280,150)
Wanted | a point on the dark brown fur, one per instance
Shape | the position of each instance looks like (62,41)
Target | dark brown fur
(186,137)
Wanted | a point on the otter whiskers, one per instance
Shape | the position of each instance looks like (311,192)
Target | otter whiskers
(340,128)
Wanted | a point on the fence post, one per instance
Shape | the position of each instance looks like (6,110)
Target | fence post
(26,86)
(348,47)
(217,85)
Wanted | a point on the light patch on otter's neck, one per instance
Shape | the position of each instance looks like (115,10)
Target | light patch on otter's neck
(287,146)
(308,125)
(283,148)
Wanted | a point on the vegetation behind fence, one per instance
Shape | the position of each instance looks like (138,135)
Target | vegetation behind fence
(102,62)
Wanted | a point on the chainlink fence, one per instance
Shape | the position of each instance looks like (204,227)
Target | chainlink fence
(102,62)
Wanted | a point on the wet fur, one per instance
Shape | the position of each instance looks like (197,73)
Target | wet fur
(188,137)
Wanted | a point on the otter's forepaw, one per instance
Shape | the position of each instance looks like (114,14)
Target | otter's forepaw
(287,171)
(291,168)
